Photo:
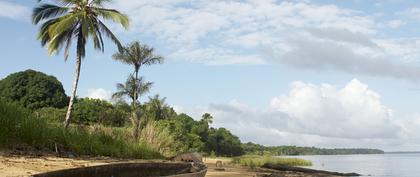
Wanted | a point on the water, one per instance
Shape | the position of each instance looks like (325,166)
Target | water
(380,165)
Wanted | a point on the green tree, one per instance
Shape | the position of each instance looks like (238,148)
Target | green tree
(95,111)
(137,55)
(223,143)
(156,109)
(77,20)
(33,89)
(181,128)
(132,88)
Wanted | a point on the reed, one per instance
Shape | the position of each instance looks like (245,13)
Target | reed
(258,161)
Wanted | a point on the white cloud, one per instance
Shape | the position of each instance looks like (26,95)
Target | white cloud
(317,115)
(14,11)
(228,32)
(412,13)
(99,93)
(395,23)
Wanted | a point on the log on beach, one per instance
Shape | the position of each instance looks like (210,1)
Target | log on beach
(304,170)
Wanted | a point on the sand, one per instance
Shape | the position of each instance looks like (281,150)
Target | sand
(12,165)
(26,165)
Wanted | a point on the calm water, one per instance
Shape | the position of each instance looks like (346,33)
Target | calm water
(396,165)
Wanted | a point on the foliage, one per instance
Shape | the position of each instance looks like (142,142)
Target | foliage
(156,109)
(71,20)
(137,55)
(19,126)
(33,89)
(258,161)
(51,114)
(160,139)
(223,143)
(90,111)
(256,149)
(132,88)
(180,127)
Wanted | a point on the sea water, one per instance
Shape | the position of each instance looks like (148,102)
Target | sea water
(379,165)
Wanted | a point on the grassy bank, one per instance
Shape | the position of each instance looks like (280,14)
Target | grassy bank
(19,127)
(258,161)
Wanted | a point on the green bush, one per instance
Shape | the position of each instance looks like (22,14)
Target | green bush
(33,90)
(89,111)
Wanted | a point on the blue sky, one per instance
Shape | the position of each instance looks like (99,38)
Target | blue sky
(314,73)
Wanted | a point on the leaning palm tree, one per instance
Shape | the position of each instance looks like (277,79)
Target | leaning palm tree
(137,55)
(132,88)
(78,21)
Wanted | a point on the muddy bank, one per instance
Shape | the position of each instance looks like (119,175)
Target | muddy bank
(306,171)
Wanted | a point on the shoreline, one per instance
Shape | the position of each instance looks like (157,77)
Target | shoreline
(15,164)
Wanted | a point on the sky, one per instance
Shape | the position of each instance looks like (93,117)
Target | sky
(307,72)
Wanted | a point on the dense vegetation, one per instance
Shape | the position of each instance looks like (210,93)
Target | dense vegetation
(33,90)
(258,161)
(20,128)
(256,149)
(103,128)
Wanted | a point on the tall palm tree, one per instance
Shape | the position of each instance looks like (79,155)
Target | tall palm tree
(132,88)
(77,20)
(137,55)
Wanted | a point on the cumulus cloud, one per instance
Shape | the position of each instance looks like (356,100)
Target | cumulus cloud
(315,115)
(14,11)
(99,93)
(294,33)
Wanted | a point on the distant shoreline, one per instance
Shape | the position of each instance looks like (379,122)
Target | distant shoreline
(403,152)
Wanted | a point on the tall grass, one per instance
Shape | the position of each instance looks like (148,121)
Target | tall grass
(19,126)
(258,161)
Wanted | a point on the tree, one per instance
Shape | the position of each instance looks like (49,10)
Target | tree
(95,111)
(33,90)
(157,109)
(132,88)
(223,143)
(77,20)
(136,55)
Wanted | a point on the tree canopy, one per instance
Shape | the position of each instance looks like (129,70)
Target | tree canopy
(33,89)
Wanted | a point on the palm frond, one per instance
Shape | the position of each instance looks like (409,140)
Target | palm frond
(46,11)
(114,15)
(102,27)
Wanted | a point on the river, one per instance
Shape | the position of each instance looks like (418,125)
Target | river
(380,165)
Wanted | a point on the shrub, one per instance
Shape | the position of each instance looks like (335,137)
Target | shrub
(33,90)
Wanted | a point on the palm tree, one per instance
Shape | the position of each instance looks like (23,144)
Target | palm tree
(156,106)
(76,20)
(132,88)
(137,55)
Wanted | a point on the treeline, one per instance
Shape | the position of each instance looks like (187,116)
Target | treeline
(160,126)
(257,149)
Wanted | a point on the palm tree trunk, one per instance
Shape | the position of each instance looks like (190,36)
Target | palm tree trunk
(73,95)
(135,117)
(135,122)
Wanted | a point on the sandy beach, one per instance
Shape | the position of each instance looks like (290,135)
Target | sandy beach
(13,164)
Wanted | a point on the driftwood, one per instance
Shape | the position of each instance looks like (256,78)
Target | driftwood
(305,170)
